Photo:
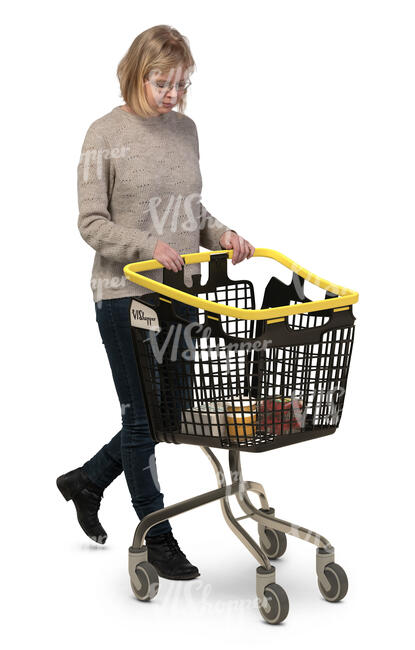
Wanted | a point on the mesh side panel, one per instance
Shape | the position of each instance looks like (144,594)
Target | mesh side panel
(304,321)
(225,394)
(240,294)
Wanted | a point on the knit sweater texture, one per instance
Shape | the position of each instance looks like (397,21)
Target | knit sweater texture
(139,181)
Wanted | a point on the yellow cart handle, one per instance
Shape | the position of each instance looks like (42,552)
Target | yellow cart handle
(346,297)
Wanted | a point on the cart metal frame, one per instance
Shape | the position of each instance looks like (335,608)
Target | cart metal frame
(264,516)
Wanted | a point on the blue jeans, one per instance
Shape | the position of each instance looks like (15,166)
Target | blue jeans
(132,449)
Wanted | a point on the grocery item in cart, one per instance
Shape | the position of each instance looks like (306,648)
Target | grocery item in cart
(208,420)
(241,417)
(280,415)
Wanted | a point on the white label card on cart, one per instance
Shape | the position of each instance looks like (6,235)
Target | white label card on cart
(143,317)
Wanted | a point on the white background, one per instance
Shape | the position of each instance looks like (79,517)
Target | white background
(305,112)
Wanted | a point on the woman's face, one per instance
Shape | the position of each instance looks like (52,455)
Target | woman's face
(160,96)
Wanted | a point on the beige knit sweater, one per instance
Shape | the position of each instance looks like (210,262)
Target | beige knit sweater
(139,181)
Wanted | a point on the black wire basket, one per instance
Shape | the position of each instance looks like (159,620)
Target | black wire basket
(225,380)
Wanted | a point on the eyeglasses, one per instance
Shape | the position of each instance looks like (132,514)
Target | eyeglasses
(181,86)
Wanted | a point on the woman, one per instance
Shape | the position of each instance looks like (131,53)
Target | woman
(139,187)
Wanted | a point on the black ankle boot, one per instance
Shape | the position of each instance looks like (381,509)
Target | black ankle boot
(164,553)
(87,497)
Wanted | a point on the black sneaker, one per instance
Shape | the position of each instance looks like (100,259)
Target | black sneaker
(164,553)
(87,497)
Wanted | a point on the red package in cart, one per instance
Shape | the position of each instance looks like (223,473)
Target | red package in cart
(274,415)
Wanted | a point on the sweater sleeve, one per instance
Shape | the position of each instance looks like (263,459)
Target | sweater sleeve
(211,229)
(96,174)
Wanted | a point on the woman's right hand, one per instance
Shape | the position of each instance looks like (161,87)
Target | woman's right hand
(167,256)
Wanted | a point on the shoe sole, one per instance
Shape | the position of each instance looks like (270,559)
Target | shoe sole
(190,577)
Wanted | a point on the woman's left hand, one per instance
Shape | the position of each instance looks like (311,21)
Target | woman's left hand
(242,249)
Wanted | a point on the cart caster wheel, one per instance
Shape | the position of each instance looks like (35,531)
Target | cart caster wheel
(337,578)
(273,542)
(276,609)
(146,583)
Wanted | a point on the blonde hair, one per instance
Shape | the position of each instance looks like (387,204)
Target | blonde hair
(158,49)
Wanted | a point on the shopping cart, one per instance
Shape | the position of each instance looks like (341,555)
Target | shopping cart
(245,379)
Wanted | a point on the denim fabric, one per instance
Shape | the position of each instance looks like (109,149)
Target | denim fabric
(132,449)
